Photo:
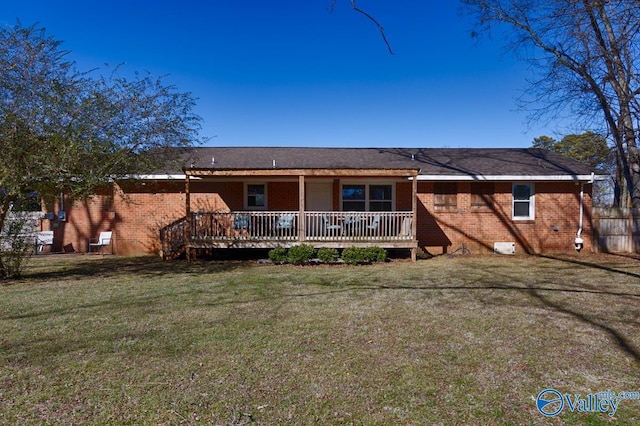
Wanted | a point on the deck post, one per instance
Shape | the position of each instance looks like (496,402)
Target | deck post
(414,212)
(187,210)
(302,222)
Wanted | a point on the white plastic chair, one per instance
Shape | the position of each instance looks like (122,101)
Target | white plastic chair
(103,240)
(43,238)
(374,223)
(285,225)
(328,227)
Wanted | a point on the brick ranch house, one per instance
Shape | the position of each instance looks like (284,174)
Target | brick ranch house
(433,199)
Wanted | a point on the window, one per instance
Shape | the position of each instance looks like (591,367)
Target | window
(380,198)
(375,198)
(481,195)
(353,198)
(445,196)
(523,201)
(256,196)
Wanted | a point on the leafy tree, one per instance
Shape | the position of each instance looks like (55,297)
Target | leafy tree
(592,149)
(544,142)
(589,148)
(587,53)
(64,131)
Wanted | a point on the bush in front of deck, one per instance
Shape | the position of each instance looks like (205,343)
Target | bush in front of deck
(355,255)
(328,255)
(300,254)
(375,254)
(278,255)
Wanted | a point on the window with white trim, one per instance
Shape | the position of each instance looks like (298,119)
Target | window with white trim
(523,205)
(367,197)
(256,196)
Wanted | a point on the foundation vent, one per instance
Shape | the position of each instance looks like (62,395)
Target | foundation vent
(504,248)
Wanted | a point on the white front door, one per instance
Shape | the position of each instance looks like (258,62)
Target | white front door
(319,196)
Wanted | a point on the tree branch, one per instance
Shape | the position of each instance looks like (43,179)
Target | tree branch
(355,7)
(376,23)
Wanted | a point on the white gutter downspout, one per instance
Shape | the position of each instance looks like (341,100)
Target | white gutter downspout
(579,242)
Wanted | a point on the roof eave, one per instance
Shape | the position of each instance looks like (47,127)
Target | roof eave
(511,178)
(338,171)
(161,176)
(420,177)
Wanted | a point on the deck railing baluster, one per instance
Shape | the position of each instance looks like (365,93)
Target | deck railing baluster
(320,226)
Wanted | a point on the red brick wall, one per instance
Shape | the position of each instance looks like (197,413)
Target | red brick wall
(136,213)
(221,196)
(554,228)
(85,219)
(133,214)
(149,209)
(403,196)
(283,196)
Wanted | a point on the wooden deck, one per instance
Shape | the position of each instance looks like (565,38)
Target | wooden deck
(268,229)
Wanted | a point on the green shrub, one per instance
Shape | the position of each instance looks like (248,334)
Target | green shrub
(355,255)
(300,254)
(328,255)
(376,254)
(278,255)
(16,247)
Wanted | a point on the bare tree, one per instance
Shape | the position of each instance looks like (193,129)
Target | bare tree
(587,53)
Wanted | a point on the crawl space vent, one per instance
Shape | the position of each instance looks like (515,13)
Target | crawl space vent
(504,248)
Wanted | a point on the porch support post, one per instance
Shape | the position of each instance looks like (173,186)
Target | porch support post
(414,210)
(302,222)
(187,210)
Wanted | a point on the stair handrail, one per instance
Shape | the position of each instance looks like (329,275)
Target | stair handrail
(173,237)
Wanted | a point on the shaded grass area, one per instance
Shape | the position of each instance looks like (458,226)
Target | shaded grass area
(444,341)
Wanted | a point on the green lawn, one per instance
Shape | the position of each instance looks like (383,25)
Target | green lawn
(473,340)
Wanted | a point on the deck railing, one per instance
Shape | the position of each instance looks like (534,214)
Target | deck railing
(173,238)
(286,226)
(244,225)
(354,226)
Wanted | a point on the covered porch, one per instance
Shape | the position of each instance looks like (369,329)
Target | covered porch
(342,223)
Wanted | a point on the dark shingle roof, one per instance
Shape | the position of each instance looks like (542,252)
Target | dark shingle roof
(430,161)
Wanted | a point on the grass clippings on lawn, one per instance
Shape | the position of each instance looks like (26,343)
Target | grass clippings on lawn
(471,340)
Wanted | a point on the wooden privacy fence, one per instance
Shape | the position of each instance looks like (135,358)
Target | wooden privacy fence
(617,230)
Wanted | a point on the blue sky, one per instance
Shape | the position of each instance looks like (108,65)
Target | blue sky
(289,73)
